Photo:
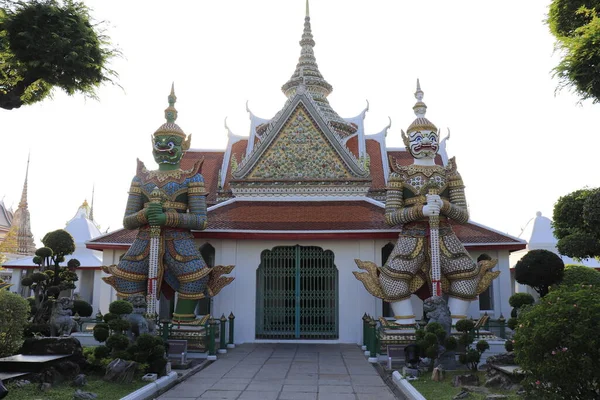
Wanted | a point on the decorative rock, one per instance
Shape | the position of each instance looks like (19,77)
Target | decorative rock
(496,397)
(79,380)
(22,383)
(44,386)
(438,374)
(51,345)
(465,380)
(476,389)
(68,369)
(465,394)
(502,359)
(3,390)
(79,394)
(120,371)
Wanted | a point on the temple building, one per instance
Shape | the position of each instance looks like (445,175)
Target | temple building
(293,204)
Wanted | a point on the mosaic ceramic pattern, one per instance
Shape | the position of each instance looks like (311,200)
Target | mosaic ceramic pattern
(300,152)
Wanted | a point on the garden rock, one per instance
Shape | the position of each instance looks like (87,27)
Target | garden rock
(496,397)
(502,359)
(465,380)
(22,383)
(79,380)
(465,394)
(120,371)
(51,345)
(81,395)
(44,386)
(68,369)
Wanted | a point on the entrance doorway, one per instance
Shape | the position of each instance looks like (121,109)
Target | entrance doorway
(297,294)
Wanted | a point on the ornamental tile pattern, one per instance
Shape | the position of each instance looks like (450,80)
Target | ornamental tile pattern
(300,152)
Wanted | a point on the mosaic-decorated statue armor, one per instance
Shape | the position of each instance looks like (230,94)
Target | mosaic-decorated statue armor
(182,208)
(415,193)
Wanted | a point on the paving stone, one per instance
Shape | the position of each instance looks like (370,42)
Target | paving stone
(336,388)
(372,396)
(297,396)
(221,394)
(264,386)
(300,388)
(336,396)
(258,396)
(371,389)
(229,386)
(188,390)
(367,380)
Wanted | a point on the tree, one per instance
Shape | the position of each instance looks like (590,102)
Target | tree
(539,269)
(50,43)
(13,318)
(557,336)
(52,278)
(576,26)
(577,223)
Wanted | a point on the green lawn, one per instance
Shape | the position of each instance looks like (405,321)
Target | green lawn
(445,391)
(104,390)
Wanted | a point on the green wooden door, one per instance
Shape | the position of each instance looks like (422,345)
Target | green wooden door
(297,294)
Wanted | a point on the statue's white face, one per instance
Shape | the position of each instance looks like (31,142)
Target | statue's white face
(423,144)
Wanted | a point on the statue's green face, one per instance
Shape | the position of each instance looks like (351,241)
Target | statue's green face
(167,149)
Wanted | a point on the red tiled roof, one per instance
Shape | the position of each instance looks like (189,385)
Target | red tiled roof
(376,165)
(352,145)
(210,169)
(316,217)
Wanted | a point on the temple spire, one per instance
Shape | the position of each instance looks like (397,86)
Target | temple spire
(21,225)
(307,71)
(92,207)
(420,108)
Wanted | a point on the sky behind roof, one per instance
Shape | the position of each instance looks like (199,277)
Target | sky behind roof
(485,68)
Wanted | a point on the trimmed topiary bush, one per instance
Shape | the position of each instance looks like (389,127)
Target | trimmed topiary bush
(519,300)
(101,332)
(120,307)
(539,269)
(472,356)
(14,310)
(558,346)
(580,275)
(101,352)
(83,308)
(117,342)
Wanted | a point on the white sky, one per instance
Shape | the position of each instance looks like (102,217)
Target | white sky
(485,68)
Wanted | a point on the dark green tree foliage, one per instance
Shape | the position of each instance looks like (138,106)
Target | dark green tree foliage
(558,346)
(539,269)
(46,44)
(432,341)
(580,275)
(577,223)
(83,308)
(576,26)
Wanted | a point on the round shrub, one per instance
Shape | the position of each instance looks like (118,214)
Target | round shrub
(451,343)
(465,325)
(109,317)
(119,325)
(53,291)
(580,275)
(559,335)
(44,252)
(120,307)
(519,300)
(101,352)
(101,333)
(146,341)
(482,346)
(512,323)
(38,277)
(539,269)
(83,308)
(73,264)
(27,281)
(117,342)
(37,260)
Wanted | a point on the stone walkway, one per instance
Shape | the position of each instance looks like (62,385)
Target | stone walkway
(286,372)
